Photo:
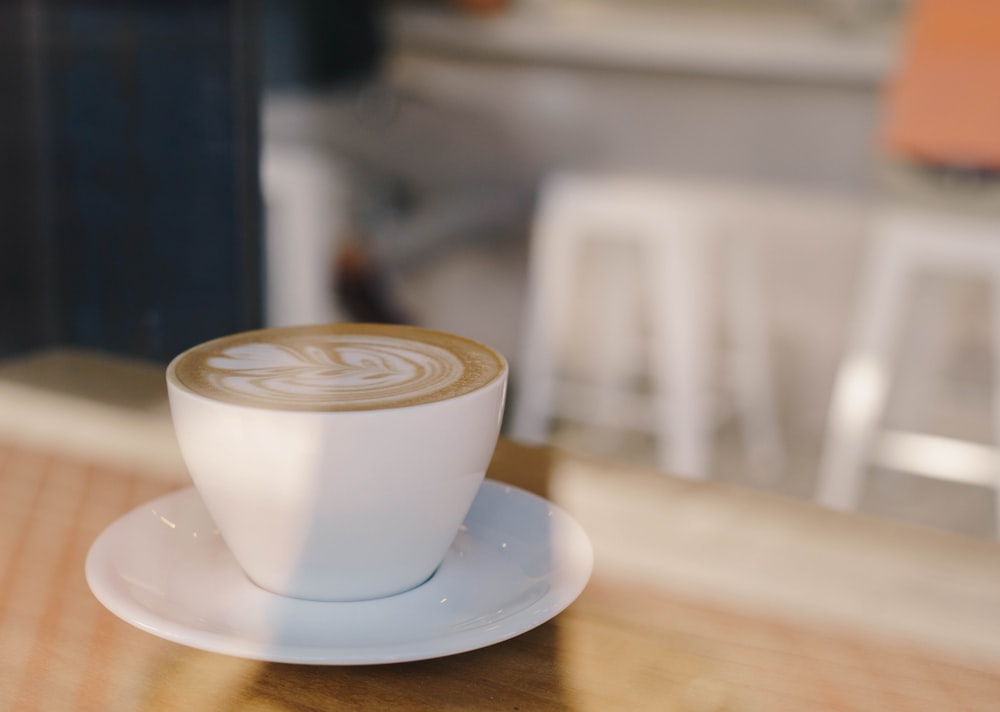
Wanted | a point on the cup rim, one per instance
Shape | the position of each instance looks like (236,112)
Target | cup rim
(175,381)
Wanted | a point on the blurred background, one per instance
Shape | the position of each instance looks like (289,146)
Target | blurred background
(173,171)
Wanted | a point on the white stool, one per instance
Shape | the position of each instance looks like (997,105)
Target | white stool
(672,228)
(305,195)
(905,243)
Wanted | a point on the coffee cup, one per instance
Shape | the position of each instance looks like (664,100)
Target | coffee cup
(339,460)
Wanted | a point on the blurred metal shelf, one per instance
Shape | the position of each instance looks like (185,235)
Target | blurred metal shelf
(764,43)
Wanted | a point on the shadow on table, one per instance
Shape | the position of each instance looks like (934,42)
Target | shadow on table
(522,673)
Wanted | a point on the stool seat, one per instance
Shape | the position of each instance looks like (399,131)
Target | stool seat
(655,282)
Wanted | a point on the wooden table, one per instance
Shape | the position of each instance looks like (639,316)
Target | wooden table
(704,597)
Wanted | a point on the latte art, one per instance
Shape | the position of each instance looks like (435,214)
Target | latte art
(334,371)
(337,367)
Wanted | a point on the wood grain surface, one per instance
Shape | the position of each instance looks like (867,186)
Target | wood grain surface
(626,644)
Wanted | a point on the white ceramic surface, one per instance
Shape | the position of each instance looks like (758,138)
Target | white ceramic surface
(337,505)
(518,560)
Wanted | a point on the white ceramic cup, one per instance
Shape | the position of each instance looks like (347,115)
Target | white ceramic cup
(338,461)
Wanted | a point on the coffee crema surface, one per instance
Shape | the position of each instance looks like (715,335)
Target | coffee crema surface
(337,367)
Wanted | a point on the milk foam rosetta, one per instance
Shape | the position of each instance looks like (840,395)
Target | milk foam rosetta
(337,367)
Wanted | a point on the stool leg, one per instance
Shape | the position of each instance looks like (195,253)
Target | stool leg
(551,266)
(862,383)
(995,317)
(306,203)
(752,373)
(681,352)
(613,315)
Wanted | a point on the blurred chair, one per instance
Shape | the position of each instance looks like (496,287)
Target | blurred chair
(943,116)
(671,229)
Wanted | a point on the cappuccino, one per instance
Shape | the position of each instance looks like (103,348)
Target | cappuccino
(324,481)
(338,367)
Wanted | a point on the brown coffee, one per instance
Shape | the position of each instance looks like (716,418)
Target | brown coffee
(337,367)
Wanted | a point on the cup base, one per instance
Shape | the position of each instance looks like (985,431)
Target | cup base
(340,599)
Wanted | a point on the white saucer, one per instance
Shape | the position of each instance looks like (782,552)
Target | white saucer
(518,561)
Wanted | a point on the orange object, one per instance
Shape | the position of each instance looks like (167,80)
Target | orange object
(944,103)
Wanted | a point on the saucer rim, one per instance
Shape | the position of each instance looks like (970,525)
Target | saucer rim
(566,581)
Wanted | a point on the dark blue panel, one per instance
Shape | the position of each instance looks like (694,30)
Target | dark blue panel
(152,152)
